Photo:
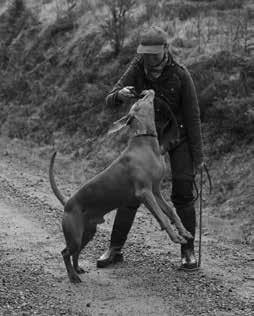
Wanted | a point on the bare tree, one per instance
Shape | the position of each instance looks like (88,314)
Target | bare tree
(115,25)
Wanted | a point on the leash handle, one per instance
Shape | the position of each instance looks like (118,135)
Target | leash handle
(200,217)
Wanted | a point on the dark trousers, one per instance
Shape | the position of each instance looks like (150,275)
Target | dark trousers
(182,197)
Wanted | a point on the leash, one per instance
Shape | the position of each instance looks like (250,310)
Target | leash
(200,195)
(209,180)
(200,218)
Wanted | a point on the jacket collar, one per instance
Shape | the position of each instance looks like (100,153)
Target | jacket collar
(170,62)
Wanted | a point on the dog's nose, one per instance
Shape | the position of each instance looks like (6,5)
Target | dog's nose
(151,93)
(147,95)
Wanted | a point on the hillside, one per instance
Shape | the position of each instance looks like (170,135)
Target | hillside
(58,62)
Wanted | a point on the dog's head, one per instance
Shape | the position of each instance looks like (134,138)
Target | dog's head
(141,114)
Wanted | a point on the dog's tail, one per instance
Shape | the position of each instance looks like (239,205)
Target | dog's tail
(52,181)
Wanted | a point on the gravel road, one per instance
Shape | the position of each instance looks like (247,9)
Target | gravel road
(33,279)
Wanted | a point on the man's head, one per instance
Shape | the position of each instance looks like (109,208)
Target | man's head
(154,47)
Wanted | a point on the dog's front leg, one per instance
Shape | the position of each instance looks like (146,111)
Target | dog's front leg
(147,198)
(172,215)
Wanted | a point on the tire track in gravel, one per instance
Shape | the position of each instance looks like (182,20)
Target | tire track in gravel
(147,283)
(35,279)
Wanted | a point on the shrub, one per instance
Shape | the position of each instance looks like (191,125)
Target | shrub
(227,4)
(15,120)
(231,121)
(152,9)
(183,11)
(114,26)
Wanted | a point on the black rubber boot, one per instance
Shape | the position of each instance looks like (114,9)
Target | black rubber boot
(188,259)
(110,256)
(122,225)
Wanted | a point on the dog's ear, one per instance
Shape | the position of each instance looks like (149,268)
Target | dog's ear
(120,124)
(169,136)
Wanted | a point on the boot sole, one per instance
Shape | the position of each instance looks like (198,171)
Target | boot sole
(191,268)
(104,263)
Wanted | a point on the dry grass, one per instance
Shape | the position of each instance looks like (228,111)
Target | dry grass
(233,176)
(71,72)
(210,30)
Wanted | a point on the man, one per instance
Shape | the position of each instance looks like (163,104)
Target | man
(176,107)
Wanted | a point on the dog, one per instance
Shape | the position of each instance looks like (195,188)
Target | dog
(133,178)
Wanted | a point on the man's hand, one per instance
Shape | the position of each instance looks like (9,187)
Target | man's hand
(126,93)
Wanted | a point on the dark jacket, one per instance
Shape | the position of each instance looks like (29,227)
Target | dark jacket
(174,93)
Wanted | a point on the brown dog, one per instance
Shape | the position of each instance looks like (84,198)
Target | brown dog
(133,178)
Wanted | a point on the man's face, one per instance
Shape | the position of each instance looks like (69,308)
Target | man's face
(152,60)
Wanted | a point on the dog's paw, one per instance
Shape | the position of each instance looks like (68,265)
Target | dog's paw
(80,270)
(74,278)
(180,240)
(186,234)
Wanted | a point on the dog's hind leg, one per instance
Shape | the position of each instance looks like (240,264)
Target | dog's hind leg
(74,278)
(73,236)
(87,236)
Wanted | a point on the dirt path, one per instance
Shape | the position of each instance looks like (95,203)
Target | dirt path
(33,278)
(34,274)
